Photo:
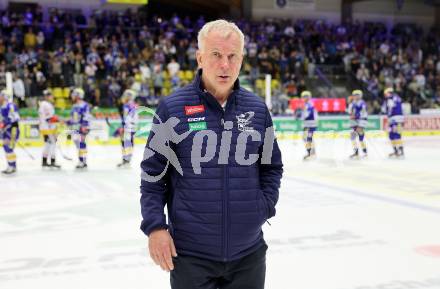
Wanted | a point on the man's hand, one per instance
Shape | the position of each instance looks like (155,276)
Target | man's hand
(161,248)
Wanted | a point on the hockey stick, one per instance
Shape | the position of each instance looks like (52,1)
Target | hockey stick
(107,122)
(65,133)
(26,151)
(66,157)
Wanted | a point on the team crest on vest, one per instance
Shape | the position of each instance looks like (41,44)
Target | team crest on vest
(244,120)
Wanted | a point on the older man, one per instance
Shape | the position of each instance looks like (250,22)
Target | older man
(220,177)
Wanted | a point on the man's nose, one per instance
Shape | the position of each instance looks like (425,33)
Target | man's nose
(224,63)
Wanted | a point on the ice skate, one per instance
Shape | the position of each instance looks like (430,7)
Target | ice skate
(44,163)
(124,164)
(81,166)
(9,170)
(394,154)
(355,155)
(365,153)
(54,165)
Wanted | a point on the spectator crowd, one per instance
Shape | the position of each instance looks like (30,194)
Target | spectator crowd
(108,52)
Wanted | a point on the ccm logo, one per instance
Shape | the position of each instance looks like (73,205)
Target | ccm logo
(193,119)
(194,109)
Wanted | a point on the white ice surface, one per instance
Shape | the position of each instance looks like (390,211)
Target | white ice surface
(341,224)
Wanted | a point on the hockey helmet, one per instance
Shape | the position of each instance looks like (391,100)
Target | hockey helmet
(388,91)
(6,94)
(129,94)
(357,92)
(78,92)
(306,94)
(47,92)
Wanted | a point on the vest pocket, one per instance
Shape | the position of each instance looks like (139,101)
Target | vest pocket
(262,207)
(174,202)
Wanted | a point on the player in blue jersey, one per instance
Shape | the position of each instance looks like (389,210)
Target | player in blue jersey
(80,124)
(129,122)
(9,131)
(357,110)
(392,106)
(309,117)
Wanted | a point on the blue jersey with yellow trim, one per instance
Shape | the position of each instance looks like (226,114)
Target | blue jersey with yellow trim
(80,114)
(129,116)
(9,114)
(359,110)
(392,106)
(309,115)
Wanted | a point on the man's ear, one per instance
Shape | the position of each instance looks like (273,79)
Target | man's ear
(199,58)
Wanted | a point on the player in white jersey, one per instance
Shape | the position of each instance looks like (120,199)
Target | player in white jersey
(48,129)
(357,110)
(129,122)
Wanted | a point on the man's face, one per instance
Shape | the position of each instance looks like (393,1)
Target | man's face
(2,99)
(221,60)
(305,100)
(74,98)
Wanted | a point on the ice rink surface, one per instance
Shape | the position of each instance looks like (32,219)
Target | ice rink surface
(341,224)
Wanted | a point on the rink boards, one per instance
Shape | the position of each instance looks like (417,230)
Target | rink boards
(102,131)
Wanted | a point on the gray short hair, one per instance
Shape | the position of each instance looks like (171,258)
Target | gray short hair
(222,26)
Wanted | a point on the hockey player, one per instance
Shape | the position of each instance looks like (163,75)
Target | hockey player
(129,122)
(357,110)
(9,130)
(48,127)
(310,121)
(79,123)
(392,106)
